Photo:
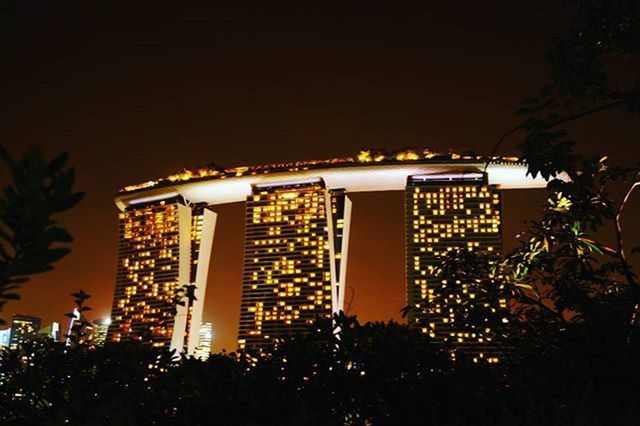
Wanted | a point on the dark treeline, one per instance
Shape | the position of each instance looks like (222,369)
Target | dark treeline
(374,373)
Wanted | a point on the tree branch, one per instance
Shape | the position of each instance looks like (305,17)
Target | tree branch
(499,142)
(555,123)
(624,202)
(627,272)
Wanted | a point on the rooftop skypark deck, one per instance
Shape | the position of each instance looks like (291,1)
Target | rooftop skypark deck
(371,170)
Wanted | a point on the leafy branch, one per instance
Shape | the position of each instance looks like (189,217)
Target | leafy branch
(29,208)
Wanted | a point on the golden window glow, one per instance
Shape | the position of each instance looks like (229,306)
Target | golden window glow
(287,279)
(147,274)
(447,216)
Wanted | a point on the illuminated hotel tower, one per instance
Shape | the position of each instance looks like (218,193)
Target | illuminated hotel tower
(296,239)
(163,246)
(446,212)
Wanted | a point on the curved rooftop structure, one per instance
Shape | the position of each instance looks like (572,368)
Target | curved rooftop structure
(369,171)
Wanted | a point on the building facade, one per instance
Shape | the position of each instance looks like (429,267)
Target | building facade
(447,213)
(23,329)
(158,264)
(100,331)
(291,262)
(205,336)
(5,337)
(52,331)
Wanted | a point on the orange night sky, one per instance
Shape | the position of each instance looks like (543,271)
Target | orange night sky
(134,92)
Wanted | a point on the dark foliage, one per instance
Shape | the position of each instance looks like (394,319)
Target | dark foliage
(29,206)
(583,82)
(371,374)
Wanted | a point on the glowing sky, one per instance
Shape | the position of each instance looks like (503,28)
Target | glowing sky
(134,92)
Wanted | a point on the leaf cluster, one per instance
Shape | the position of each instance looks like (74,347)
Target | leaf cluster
(29,207)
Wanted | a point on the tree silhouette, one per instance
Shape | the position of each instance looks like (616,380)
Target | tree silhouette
(29,207)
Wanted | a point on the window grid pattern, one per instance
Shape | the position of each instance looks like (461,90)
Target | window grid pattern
(440,218)
(287,274)
(23,329)
(147,275)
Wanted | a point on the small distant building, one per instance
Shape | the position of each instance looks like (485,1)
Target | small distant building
(87,331)
(5,338)
(52,331)
(75,317)
(100,331)
(23,329)
(203,350)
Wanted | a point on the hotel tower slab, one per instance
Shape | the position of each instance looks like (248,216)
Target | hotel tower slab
(296,242)
(292,260)
(446,213)
(163,247)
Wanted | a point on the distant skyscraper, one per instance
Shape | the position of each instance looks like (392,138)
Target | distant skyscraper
(75,316)
(5,337)
(159,247)
(87,328)
(23,329)
(291,263)
(203,350)
(100,331)
(52,331)
(446,212)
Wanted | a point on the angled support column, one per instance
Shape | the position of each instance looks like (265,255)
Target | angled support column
(184,274)
(346,229)
(204,256)
(339,216)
